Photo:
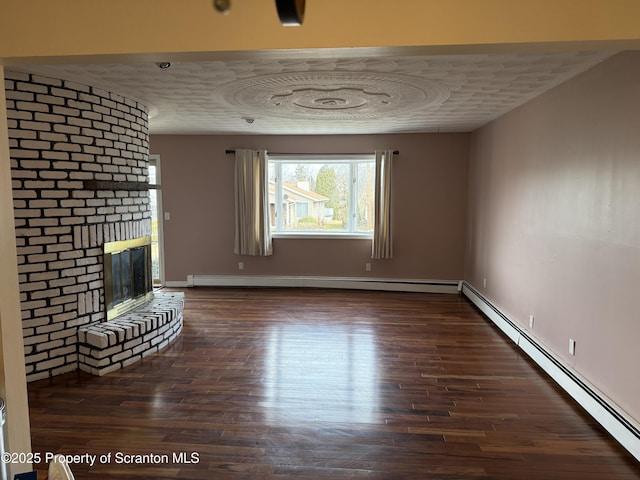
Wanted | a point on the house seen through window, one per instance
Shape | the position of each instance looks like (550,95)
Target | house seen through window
(329,194)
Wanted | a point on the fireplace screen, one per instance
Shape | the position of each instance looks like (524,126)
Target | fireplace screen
(127,268)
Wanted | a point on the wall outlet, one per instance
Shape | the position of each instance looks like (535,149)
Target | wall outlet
(167,216)
(240,265)
(367,267)
(572,346)
(531,319)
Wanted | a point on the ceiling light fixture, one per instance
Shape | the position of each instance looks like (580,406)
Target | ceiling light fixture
(222,6)
(290,12)
(163,65)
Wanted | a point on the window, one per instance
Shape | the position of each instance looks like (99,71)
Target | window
(155,200)
(302,209)
(326,194)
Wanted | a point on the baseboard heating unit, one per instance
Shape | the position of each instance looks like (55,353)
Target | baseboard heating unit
(623,428)
(360,283)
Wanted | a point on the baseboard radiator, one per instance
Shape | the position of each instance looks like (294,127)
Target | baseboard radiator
(623,428)
(359,283)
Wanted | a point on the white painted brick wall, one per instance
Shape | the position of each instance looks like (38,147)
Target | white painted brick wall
(61,134)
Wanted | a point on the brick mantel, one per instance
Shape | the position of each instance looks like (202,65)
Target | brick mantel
(71,145)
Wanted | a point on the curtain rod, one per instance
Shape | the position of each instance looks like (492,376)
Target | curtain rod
(230,151)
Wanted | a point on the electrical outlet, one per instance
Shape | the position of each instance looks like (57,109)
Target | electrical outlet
(240,265)
(367,267)
(531,321)
(167,216)
(572,346)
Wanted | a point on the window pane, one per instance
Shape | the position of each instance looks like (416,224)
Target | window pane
(316,196)
(271,172)
(365,195)
(152,174)
(332,182)
(302,210)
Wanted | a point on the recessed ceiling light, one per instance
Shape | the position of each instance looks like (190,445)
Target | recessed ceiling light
(163,65)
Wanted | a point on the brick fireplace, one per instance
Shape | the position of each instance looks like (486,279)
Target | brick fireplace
(79,158)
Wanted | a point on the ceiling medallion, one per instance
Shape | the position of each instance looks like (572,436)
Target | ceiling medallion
(332,95)
(331,98)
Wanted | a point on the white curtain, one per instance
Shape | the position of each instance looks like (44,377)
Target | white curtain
(382,242)
(253,231)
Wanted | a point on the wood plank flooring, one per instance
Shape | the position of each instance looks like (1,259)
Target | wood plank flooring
(325,384)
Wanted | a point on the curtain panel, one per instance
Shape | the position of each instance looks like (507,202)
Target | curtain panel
(382,245)
(253,231)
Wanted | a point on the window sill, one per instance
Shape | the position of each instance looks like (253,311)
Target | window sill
(323,235)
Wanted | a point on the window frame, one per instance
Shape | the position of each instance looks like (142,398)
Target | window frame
(351,159)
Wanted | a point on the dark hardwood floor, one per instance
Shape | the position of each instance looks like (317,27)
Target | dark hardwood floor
(325,384)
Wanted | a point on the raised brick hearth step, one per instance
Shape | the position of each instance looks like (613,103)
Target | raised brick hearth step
(107,346)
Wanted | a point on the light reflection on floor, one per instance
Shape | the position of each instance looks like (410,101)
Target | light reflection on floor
(320,373)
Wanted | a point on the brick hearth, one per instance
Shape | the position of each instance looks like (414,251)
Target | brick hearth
(108,346)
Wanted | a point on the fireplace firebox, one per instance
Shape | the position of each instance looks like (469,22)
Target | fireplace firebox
(127,275)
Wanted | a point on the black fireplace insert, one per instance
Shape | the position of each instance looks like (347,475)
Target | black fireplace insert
(127,275)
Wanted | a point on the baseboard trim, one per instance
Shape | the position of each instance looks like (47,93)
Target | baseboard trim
(622,427)
(175,284)
(358,283)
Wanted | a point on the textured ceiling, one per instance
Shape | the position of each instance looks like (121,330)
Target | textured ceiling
(315,95)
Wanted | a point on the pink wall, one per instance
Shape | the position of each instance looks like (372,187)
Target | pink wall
(429,201)
(554,222)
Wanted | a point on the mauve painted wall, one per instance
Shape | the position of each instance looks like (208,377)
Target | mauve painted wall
(429,207)
(554,222)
